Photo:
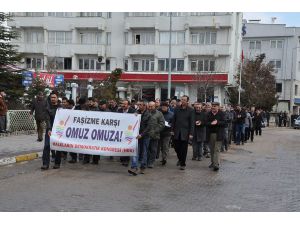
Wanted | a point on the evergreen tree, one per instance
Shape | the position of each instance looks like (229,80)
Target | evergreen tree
(10,79)
(258,84)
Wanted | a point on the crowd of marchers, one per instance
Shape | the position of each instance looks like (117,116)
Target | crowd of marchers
(208,127)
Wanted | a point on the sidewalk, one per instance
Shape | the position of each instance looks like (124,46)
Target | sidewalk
(15,145)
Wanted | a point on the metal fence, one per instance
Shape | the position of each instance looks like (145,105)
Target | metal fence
(20,120)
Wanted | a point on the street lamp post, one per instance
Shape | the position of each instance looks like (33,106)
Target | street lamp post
(169,73)
(90,88)
(292,82)
(74,87)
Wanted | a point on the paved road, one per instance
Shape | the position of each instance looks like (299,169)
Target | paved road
(259,176)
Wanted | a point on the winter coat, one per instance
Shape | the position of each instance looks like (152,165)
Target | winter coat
(241,119)
(145,116)
(219,127)
(168,116)
(200,131)
(50,114)
(3,107)
(183,123)
(39,108)
(156,124)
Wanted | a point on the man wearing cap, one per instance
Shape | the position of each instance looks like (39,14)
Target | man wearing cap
(215,128)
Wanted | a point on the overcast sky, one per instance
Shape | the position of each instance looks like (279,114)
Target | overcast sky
(291,19)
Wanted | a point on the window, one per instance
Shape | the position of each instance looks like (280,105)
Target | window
(107,64)
(276,64)
(126,64)
(108,15)
(67,63)
(255,44)
(136,65)
(34,14)
(208,38)
(177,37)
(34,63)
(59,62)
(296,90)
(91,14)
(108,38)
(147,38)
(60,37)
(89,64)
(176,64)
(60,14)
(276,44)
(90,38)
(203,65)
(173,14)
(34,37)
(140,14)
(279,87)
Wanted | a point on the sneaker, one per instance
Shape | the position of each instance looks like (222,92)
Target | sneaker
(56,166)
(52,159)
(199,159)
(182,168)
(142,170)
(178,163)
(211,166)
(39,140)
(150,166)
(44,167)
(207,156)
(72,161)
(216,168)
(163,162)
(133,171)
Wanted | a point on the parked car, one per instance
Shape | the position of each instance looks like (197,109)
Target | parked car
(297,123)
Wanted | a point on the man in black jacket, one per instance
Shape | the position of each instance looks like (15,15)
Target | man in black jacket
(50,115)
(199,132)
(215,129)
(239,119)
(125,108)
(39,106)
(183,128)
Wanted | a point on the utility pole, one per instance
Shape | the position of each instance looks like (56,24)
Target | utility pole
(169,73)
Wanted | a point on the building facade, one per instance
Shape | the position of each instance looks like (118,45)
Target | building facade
(281,45)
(205,49)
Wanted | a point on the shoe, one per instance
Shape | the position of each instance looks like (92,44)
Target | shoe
(56,166)
(163,162)
(85,162)
(182,168)
(52,159)
(142,170)
(207,156)
(39,140)
(238,144)
(44,167)
(133,172)
(150,166)
(211,166)
(199,159)
(194,158)
(216,168)
(124,164)
(95,162)
(72,161)
(178,163)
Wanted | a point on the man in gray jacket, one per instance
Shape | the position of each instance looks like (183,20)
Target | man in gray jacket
(39,106)
(156,124)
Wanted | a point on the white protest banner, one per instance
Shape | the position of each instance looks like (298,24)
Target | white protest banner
(95,133)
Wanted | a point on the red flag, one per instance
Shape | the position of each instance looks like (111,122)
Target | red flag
(242,55)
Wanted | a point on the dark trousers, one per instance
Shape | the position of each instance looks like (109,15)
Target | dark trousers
(39,127)
(247,133)
(239,133)
(252,133)
(152,150)
(163,146)
(46,152)
(2,123)
(181,148)
(258,131)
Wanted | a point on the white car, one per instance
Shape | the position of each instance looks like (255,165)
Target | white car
(297,123)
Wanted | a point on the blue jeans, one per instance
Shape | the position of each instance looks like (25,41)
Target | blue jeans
(240,130)
(143,151)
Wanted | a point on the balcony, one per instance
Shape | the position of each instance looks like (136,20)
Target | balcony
(140,22)
(72,49)
(139,50)
(223,49)
(209,21)
(30,48)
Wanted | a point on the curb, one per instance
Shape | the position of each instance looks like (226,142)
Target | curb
(20,158)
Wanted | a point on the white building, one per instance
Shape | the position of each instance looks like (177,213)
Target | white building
(206,48)
(281,47)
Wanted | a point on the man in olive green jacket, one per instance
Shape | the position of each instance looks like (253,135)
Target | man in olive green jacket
(156,124)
